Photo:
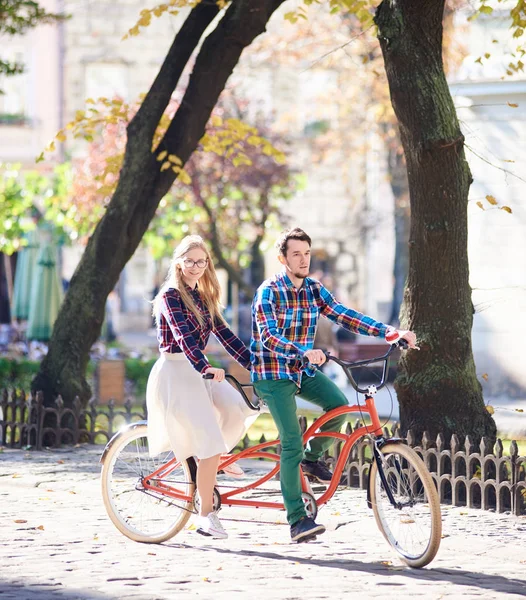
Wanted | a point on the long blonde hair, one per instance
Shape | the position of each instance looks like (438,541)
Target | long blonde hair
(209,289)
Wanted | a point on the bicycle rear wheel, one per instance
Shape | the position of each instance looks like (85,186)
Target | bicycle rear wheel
(414,526)
(143,515)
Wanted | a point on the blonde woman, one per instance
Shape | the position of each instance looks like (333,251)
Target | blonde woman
(187,414)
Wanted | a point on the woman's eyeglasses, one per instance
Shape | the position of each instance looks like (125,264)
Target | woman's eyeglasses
(189,263)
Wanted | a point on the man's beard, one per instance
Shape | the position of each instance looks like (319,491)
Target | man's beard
(301,275)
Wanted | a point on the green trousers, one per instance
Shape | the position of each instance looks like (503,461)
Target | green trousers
(280,396)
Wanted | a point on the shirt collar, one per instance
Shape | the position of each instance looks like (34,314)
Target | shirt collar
(288,283)
(191,290)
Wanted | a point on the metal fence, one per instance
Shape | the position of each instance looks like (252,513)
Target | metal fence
(464,474)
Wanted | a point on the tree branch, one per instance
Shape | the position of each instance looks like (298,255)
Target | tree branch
(158,97)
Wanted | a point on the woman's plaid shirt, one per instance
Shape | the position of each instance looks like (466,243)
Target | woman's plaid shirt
(284,321)
(179,331)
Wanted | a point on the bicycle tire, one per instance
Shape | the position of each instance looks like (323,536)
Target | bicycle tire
(141,515)
(413,488)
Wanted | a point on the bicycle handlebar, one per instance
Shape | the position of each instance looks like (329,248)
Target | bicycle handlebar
(239,386)
(348,366)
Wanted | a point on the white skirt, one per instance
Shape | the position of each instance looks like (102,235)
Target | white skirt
(190,415)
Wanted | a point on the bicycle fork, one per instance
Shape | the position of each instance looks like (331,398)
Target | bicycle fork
(378,457)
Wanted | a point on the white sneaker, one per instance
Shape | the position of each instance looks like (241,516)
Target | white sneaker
(233,469)
(211,526)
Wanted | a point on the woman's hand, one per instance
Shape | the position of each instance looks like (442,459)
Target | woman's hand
(219,374)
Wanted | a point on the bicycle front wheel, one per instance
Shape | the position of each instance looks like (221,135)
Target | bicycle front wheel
(413,525)
(141,514)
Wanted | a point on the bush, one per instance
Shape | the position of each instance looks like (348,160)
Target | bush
(137,372)
(17,373)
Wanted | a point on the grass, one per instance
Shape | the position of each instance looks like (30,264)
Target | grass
(520,443)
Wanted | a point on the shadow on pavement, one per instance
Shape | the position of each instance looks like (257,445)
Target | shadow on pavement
(12,591)
(496,583)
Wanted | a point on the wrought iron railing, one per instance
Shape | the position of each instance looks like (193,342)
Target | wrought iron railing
(464,474)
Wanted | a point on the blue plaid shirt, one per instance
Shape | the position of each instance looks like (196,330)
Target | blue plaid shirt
(284,321)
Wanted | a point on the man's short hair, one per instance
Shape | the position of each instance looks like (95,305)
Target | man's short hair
(291,234)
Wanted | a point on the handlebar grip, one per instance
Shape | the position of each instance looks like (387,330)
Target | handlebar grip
(403,344)
(208,375)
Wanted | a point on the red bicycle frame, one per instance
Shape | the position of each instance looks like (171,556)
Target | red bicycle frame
(156,482)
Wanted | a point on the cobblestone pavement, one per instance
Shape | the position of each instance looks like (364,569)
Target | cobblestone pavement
(57,543)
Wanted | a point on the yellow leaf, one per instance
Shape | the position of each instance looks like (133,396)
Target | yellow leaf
(40,157)
(165,165)
(184,177)
(60,136)
(506,208)
(41,527)
(491,411)
(51,147)
(513,105)
(20,521)
(162,155)
(519,410)
(480,205)
(176,169)
(216,121)
(485,376)
(491,200)
(175,159)
(79,115)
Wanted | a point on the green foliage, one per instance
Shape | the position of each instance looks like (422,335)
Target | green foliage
(15,208)
(18,373)
(26,197)
(137,371)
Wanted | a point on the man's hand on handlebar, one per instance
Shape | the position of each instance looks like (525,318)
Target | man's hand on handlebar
(315,357)
(218,374)
(395,335)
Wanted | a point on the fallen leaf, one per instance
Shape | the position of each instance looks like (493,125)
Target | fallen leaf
(513,105)
(41,527)
(72,492)
(20,521)
(152,554)
(16,476)
(60,462)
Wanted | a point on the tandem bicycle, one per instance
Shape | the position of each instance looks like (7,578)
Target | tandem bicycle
(150,499)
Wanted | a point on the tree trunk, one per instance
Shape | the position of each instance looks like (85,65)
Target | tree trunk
(142,185)
(437,386)
(257,263)
(400,188)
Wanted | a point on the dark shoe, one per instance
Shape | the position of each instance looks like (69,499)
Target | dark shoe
(305,530)
(317,470)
